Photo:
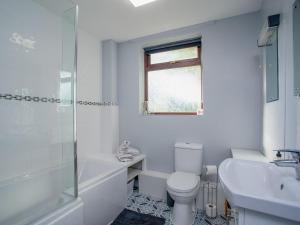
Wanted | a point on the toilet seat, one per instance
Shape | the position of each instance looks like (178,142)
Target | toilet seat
(182,182)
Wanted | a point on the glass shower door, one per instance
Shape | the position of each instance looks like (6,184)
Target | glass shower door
(37,140)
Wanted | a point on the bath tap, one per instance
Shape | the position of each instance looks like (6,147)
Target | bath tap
(294,162)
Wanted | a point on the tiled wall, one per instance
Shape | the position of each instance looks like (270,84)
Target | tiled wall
(34,70)
(31,61)
(97,122)
(36,114)
(36,131)
(109,129)
(88,89)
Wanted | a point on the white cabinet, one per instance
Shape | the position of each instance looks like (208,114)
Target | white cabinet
(249,217)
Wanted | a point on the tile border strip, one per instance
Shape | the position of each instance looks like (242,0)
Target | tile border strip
(27,98)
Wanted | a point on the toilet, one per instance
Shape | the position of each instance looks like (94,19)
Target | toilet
(183,185)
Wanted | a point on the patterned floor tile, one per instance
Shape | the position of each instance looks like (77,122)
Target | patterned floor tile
(145,204)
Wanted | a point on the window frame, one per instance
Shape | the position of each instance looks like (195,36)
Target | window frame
(148,67)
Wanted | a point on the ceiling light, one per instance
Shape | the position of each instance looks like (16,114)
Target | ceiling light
(138,3)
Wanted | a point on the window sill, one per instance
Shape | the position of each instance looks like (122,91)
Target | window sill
(174,113)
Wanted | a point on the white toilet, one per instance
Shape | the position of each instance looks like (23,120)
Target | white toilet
(183,185)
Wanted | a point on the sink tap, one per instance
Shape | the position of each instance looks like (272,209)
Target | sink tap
(293,162)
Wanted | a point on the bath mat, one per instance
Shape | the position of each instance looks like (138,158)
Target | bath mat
(128,217)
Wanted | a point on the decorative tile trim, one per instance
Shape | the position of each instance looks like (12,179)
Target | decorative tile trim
(27,98)
(97,103)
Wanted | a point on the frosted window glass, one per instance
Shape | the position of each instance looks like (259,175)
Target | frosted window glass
(174,55)
(175,90)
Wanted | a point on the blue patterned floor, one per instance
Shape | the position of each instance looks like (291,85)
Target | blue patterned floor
(145,204)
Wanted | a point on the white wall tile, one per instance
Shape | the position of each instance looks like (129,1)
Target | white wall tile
(109,129)
(88,130)
(89,83)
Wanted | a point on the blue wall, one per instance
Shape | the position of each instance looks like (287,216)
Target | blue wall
(232,94)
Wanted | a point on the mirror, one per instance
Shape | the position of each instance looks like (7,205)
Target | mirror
(271,54)
(268,40)
(296,100)
(296,27)
(281,119)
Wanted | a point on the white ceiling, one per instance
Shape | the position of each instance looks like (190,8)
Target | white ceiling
(120,20)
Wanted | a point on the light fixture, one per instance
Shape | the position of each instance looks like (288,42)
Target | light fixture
(138,3)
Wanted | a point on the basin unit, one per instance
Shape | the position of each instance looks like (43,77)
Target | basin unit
(261,193)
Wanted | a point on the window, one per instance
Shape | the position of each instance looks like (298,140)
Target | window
(173,79)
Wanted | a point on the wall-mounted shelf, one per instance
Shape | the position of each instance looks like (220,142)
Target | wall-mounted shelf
(248,154)
(134,167)
(132,173)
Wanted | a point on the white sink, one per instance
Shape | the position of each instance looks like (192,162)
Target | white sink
(261,187)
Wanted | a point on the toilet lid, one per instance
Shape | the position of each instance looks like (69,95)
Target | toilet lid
(183,182)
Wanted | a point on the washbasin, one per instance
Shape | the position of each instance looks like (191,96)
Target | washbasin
(261,187)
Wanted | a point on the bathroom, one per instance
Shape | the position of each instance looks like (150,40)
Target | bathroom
(152,112)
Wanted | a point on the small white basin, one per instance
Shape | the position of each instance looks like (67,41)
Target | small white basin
(261,187)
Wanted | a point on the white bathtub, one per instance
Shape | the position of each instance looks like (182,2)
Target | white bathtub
(103,190)
(102,193)
(70,214)
(30,196)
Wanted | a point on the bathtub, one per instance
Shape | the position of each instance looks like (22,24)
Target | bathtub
(70,214)
(30,196)
(102,193)
(103,190)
